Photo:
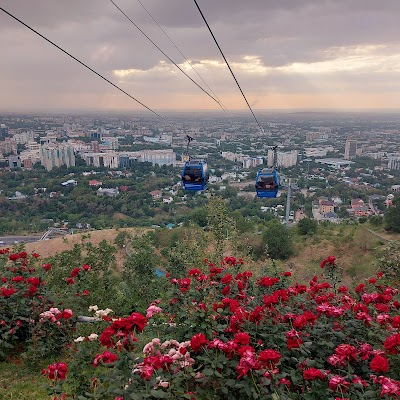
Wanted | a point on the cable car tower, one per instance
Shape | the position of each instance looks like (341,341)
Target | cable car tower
(195,173)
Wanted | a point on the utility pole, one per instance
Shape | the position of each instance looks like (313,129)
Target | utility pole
(288,201)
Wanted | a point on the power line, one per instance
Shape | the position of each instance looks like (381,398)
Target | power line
(82,63)
(230,69)
(180,52)
(165,55)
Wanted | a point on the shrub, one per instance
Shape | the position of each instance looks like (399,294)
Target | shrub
(222,333)
(29,319)
(307,226)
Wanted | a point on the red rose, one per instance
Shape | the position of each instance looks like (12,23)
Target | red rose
(215,270)
(226,279)
(7,292)
(293,343)
(107,357)
(75,272)
(267,281)
(226,290)
(242,338)
(46,267)
(338,383)
(269,358)
(392,344)
(197,341)
(56,371)
(32,290)
(346,352)
(360,288)
(379,364)
(396,321)
(312,374)
(34,281)
(138,320)
(194,272)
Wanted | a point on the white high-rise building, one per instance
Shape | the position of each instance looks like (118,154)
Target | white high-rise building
(251,162)
(350,149)
(284,159)
(108,160)
(160,157)
(56,155)
(394,163)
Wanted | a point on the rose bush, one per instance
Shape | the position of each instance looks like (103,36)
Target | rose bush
(29,319)
(223,333)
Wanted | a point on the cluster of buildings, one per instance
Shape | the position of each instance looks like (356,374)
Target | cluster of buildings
(121,159)
(284,159)
(51,152)
(323,209)
(247,161)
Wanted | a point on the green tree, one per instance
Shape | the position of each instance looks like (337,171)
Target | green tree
(219,222)
(392,217)
(307,226)
(140,285)
(278,240)
(376,220)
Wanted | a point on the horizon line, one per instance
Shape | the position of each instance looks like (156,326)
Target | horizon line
(244,110)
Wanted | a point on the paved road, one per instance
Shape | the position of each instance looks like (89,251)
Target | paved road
(10,240)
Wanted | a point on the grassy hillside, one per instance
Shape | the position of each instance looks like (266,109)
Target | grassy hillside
(51,247)
(355,247)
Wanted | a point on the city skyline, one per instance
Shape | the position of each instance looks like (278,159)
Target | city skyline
(302,55)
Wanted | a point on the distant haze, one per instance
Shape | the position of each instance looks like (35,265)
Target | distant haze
(307,54)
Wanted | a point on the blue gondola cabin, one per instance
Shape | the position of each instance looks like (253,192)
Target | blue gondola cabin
(195,175)
(267,183)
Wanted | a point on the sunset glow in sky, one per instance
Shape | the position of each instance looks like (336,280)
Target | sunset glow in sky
(334,54)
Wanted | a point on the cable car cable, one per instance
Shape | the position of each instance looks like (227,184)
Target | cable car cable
(82,63)
(165,55)
(230,69)
(180,52)
(204,170)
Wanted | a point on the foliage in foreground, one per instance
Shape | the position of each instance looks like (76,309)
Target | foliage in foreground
(218,332)
(223,333)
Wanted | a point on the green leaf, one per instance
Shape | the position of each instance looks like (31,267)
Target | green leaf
(158,394)
(208,372)
(370,394)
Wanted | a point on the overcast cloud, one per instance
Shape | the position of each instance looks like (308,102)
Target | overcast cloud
(285,54)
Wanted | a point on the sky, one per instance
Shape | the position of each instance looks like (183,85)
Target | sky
(286,54)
